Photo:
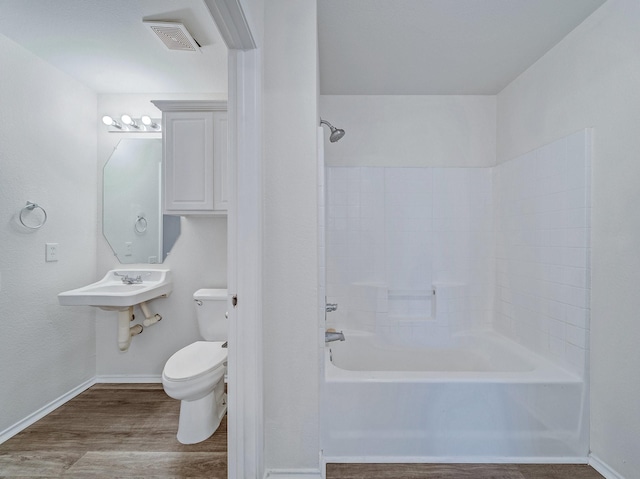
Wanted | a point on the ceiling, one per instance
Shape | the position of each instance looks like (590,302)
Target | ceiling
(443,47)
(371,47)
(105,45)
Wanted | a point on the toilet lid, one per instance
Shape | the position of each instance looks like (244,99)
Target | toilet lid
(195,359)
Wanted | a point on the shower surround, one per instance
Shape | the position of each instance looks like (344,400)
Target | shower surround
(396,234)
(419,259)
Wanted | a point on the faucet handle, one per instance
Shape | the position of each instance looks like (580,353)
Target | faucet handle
(331,307)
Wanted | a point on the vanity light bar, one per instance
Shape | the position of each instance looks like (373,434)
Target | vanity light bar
(128,124)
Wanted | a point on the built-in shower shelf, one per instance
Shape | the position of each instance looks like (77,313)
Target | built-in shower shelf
(411,304)
(410,293)
(409,319)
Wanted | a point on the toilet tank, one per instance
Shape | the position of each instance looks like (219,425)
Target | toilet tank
(211,308)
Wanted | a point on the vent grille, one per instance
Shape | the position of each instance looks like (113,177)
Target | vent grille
(174,36)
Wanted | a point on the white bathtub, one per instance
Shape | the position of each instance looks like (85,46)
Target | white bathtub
(483,398)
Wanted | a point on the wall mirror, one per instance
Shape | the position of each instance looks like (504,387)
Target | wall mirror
(132,219)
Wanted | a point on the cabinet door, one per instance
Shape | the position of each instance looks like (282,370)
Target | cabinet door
(220,162)
(188,162)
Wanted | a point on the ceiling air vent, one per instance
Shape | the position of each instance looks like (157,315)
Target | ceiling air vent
(174,36)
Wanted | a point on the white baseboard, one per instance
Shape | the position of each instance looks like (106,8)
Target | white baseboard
(457,459)
(603,468)
(43,411)
(127,378)
(292,474)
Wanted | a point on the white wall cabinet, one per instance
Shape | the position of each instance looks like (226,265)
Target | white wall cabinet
(195,159)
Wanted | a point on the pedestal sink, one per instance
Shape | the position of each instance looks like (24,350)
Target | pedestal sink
(120,290)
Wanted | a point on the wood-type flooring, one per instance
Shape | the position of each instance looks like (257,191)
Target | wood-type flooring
(113,431)
(461,471)
(128,431)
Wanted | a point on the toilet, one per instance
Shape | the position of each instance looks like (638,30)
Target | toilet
(195,374)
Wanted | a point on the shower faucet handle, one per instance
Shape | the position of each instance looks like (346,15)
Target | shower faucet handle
(331,307)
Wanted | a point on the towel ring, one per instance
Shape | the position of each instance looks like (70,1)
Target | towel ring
(30,207)
(140,225)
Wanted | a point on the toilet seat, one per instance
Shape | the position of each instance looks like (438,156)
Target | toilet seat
(195,360)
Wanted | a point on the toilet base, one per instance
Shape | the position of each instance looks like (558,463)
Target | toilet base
(199,419)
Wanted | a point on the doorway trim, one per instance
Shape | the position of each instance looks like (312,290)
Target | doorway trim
(244,233)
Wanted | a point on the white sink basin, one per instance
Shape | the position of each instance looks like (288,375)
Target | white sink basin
(112,293)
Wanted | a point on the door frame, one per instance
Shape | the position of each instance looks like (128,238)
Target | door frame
(244,235)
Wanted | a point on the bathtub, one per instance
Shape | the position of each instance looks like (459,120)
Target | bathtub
(481,398)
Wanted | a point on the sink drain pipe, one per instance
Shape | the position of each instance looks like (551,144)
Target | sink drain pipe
(149,318)
(125,332)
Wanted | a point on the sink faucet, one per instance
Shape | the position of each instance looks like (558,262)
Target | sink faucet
(129,280)
(126,279)
(330,336)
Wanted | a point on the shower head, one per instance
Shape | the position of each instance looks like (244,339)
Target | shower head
(336,133)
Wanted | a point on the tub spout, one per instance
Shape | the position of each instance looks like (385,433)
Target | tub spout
(333,336)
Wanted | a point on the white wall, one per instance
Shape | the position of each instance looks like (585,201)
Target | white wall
(198,260)
(591,79)
(290,268)
(47,156)
(411,130)
(543,219)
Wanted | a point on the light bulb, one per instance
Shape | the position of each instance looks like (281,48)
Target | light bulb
(148,122)
(127,120)
(107,120)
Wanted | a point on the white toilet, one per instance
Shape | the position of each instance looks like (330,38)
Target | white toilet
(195,374)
